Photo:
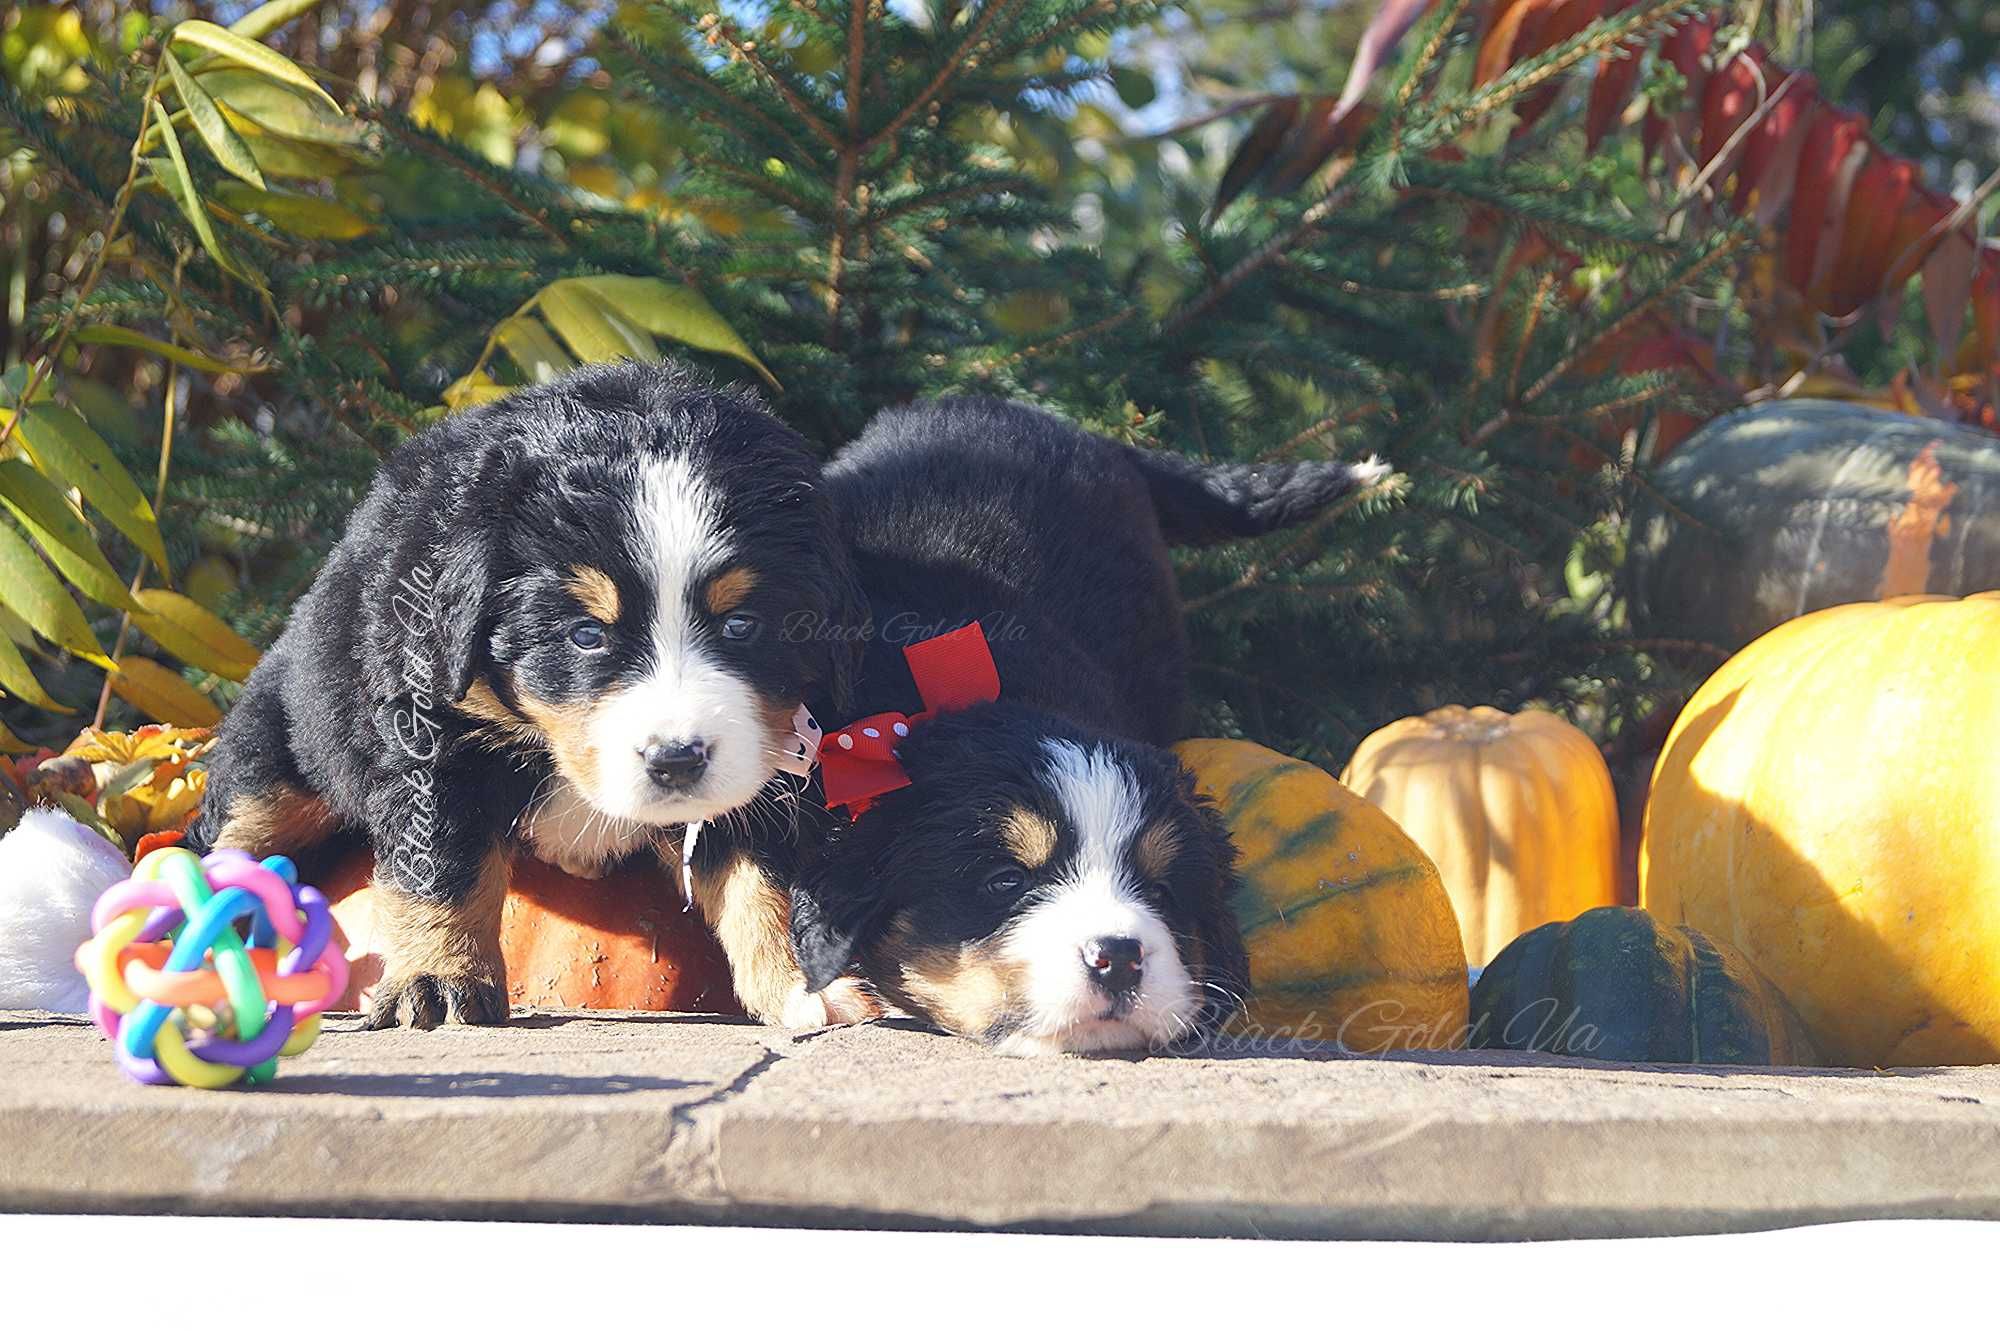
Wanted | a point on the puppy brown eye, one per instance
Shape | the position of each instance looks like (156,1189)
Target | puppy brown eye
(588,637)
(740,627)
(1008,882)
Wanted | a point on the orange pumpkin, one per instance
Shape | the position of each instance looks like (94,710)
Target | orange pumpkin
(1516,811)
(1829,802)
(621,941)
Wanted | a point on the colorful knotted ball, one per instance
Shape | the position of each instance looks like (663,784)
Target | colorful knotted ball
(207,971)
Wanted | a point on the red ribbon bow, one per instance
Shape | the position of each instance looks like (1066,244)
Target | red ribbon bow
(953,671)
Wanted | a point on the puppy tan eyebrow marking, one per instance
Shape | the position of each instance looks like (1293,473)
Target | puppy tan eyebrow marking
(595,592)
(730,589)
(1029,836)
(1156,848)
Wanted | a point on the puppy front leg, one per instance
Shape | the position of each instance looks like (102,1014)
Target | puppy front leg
(750,913)
(442,940)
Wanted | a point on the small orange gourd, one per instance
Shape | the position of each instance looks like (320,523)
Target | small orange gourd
(1517,811)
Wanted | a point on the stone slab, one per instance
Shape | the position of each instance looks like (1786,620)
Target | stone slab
(689,1119)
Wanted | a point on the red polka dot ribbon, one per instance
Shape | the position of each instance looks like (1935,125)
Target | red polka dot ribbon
(953,671)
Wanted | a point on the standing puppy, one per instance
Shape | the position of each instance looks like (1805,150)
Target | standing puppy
(1047,880)
(551,622)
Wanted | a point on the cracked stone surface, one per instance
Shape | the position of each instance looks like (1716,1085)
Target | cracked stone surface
(645,1116)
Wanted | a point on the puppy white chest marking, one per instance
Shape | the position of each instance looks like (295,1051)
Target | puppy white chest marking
(566,830)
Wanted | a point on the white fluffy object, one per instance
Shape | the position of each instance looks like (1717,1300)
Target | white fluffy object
(52,870)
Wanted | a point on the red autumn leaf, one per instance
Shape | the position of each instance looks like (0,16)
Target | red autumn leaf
(1610,93)
(1323,131)
(1652,137)
(1769,167)
(1497,49)
(1919,228)
(1549,28)
(1384,32)
(1732,96)
(1655,343)
(1881,190)
(1255,152)
(1686,49)
(1833,137)
(1986,308)
(1947,285)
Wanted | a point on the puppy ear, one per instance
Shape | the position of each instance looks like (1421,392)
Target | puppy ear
(844,636)
(846,649)
(465,566)
(1224,962)
(835,910)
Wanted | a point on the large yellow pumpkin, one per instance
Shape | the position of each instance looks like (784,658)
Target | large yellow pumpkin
(1830,803)
(1350,934)
(1516,811)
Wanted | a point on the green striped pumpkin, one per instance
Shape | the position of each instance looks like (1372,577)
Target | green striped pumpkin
(1616,984)
(1350,933)
(1775,512)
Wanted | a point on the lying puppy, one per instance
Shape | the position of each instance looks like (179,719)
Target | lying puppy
(550,622)
(1047,880)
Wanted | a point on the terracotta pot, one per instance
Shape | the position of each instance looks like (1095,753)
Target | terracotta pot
(621,941)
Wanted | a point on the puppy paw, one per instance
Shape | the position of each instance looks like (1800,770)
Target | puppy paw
(848,1001)
(803,1011)
(842,1003)
(424,1002)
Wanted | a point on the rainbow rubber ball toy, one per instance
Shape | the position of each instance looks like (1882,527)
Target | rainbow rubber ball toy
(207,971)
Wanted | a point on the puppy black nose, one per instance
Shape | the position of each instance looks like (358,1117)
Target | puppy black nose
(677,764)
(1113,963)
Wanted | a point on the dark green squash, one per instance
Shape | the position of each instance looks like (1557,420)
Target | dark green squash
(1616,984)
(1774,512)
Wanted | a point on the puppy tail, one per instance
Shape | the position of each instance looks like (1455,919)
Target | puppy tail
(1206,503)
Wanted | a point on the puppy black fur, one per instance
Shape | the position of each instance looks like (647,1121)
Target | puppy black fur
(1057,542)
(410,696)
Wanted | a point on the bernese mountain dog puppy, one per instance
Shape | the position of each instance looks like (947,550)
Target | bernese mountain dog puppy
(1048,880)
(553,623)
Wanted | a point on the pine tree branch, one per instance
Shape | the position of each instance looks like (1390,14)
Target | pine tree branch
(721,30)
(698,83)
(436,150)
(46,363)
(1276,248)
(989,14)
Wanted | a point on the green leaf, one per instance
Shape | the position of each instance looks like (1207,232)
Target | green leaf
(81,809)
(676,312)
(68,451)
(300,214)
(162,694)
(15,629)
(268,18)
(273,108)
(111,335)
(64,536)
(15,382)
(17,679)
(251,55)
(593,330)
(34,593)
(533,349)
(193,634)
(180,183)
(224,142)
(474,390)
